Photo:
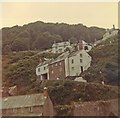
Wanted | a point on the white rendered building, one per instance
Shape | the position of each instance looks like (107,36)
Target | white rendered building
(60,47)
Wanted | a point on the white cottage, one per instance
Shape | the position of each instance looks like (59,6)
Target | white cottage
(110,33)
(42,70)
(60,47)
(67,64)
(77,62)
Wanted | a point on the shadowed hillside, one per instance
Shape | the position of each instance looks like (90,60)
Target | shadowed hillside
(104,62)
(40,35)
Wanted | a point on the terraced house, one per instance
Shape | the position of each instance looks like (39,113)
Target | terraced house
(28,105)
(69,63)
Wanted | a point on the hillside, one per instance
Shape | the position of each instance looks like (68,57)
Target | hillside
(104,62)
(68,91)
(40,35)
(19,68)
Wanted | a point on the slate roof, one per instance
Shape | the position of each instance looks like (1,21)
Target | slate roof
(61,44)
(61,57)
(44,63)
(23,101)
(75,53)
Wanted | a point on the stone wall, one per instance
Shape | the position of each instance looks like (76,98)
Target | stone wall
(98,108)
(26,111)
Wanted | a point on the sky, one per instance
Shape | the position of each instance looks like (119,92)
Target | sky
(101,14)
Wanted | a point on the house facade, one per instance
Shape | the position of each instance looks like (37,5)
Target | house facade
(78,62)
(87,47)
(27,105)
(67,64)
(42,70)
(57,68)
(109,33)
(60,47)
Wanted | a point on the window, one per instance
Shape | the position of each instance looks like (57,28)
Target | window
(77,74)
(81,68)
(72,68)
(44,68)
(38,69)
(86,47)
(56,64)
(80,55)
(80,60)
(52,72)
(13,110)
(52,66)
(60,63)
(72,61)
(60,50)
(30,109)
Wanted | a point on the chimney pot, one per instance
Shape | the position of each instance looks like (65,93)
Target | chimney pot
(45,93)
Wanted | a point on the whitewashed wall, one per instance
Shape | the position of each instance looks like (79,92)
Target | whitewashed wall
(86,61)
(42,70)
(108,35)
(60,47)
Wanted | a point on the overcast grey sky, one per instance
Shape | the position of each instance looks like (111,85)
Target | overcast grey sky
(101,14)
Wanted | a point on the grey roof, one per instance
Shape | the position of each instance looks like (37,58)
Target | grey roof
(23,101)
(44,63)
(60,44)
(74,53)
(61,57)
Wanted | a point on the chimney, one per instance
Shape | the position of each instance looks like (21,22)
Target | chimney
(45,92)
(80,45)
(5,91)
(40,60)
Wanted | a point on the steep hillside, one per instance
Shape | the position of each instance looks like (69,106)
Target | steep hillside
(104,62)
(40,35)
(64,92)
(19,68)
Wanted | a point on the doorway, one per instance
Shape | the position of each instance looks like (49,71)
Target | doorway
(81,69)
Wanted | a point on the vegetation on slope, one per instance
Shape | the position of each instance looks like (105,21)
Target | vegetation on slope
(19,68)
(64,92)
(40,35)
(104,62)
